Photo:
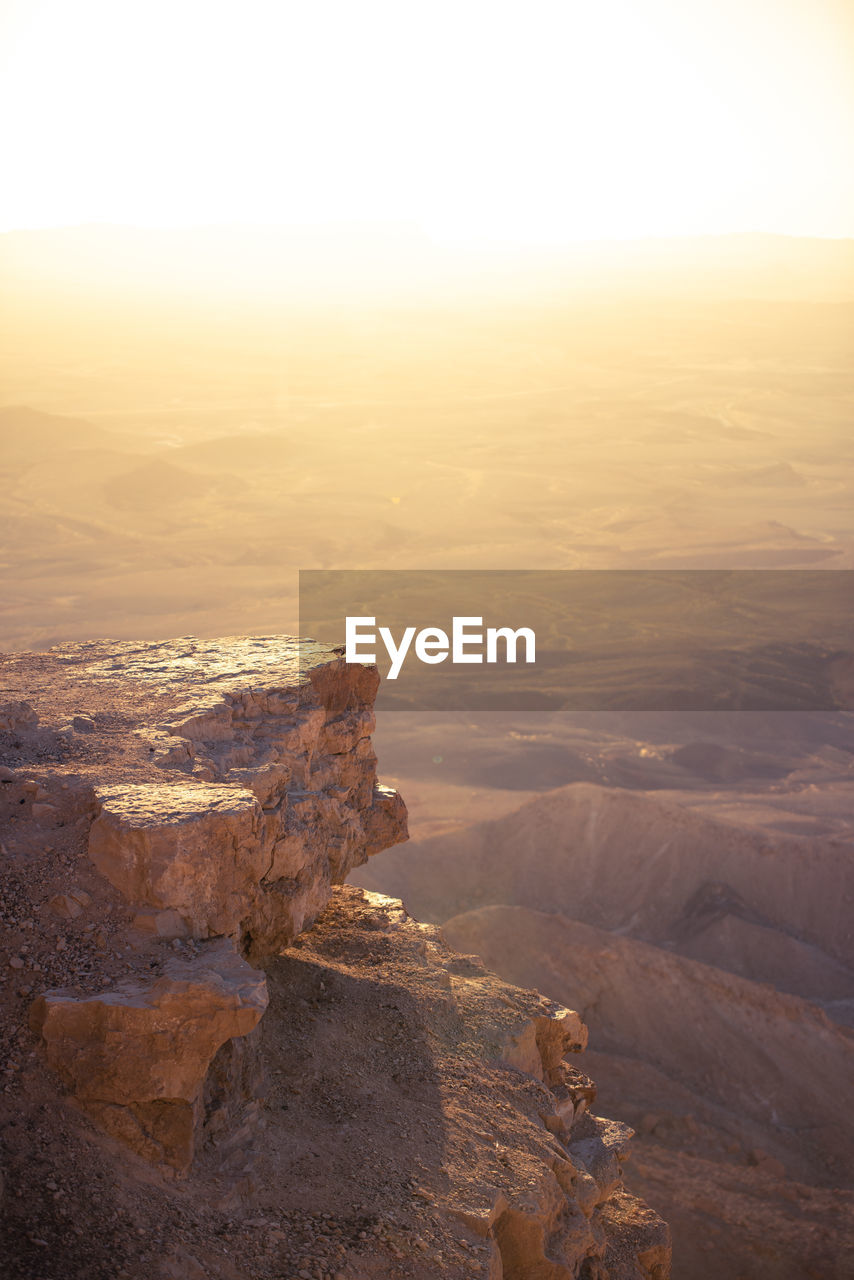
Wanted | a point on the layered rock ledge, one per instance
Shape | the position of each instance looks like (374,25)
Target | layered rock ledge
(223,788)
(339,1094)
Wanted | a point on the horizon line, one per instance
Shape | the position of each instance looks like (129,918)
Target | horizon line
(417,229)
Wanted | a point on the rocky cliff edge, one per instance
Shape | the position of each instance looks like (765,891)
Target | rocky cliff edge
(304,1080)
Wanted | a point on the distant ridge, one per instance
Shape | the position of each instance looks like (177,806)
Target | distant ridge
(400,260)
(623,861)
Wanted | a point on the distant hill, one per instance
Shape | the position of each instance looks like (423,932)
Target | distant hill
(154,484)
(28,434)
(712,1033)
(242,451)
(627,861)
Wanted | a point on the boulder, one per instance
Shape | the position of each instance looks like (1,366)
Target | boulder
(136,1056)
(68,906)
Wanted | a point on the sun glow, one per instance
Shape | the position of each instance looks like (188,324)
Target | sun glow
(538,122)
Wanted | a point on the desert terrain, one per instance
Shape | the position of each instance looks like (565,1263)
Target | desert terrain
(154,447)
(669,876)
(263,1071)
(683,879)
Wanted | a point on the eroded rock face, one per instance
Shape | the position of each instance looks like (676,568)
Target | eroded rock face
(539,1046)
(196,848)
(242,788)
(278,800)
(542,1202)
(220,794)
(136,1056)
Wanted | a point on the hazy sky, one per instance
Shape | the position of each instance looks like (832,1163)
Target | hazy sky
(535,122)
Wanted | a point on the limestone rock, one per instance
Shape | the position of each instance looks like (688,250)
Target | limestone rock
(542,1205)
(385,821)
(68,906)
(638,1241)
(538,1046)
(194,848)
(161,924)
(270,794)
(243,788)
(209,860)
(601,1147)
(226,788)
(136,1056)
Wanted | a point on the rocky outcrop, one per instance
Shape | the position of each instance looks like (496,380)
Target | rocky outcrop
(240,789)
(222,1005)
(194,849)
(509,1196)
(279,798)
(696,1027)
(137,1056)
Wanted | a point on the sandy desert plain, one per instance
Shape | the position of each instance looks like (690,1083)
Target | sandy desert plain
(684,879)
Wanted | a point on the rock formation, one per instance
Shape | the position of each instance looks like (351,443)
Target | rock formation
(178,816)
(136,1056)
(660,1009)
(710,957)
(244,788)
